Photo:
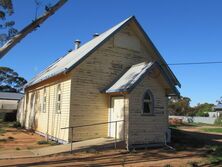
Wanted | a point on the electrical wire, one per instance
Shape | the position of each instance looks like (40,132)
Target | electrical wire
(195,63)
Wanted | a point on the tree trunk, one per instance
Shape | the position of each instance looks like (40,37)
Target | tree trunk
(29,28)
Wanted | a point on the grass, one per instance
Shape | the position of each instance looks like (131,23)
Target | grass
(41,142)
(215,130)
(216,154)
(2,130)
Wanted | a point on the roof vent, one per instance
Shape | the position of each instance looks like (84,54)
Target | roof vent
(77,44)
(95,35)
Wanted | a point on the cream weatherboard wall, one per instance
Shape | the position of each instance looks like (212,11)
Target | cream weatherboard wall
(48,121)
(94,74)
(147,128)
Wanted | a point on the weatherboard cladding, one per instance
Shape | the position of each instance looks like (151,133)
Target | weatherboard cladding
(72,59)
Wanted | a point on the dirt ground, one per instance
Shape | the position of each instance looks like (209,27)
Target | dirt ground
(191,144)
(18,139)
(140,158)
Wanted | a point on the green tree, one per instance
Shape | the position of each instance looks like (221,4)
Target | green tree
(179,106)
(10,81)
(9,35)
(203,109)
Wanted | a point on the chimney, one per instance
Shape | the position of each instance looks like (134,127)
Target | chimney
(95,35)
(77,44)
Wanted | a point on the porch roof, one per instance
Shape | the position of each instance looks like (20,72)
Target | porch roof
(135,74)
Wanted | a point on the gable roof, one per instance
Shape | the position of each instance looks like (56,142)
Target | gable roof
(134,75)
(10,96)
(74,58)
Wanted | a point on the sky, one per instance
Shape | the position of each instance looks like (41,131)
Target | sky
(183,31)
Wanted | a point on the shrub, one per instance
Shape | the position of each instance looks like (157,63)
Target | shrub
(46,142)
(42,142)
(17,148)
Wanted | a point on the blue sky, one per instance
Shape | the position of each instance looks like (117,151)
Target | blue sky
(183,31)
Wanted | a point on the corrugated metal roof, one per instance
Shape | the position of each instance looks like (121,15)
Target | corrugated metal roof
(129,78)
(10,96)
(73,58)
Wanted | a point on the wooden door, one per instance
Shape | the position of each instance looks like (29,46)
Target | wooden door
(116,113)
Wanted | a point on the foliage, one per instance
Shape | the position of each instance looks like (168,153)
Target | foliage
(11,37)
(203,109)
(6,24)
(216,154)
(179,106)
(182,107)
(41,142)
(10,81)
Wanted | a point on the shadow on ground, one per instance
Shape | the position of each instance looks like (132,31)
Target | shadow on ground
(188,145)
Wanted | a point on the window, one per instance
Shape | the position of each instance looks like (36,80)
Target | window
(44,101)
(148,103)
(58,99)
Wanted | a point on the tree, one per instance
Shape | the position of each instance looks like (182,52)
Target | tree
(219,101)
(10,81)
(179,106)
(203,109)
(12,37)
(7,25)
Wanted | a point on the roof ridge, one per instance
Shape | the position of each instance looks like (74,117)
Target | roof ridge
(75,57)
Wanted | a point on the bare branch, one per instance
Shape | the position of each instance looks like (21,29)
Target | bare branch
(29,28)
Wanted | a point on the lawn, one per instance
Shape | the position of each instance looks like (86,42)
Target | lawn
(212,130)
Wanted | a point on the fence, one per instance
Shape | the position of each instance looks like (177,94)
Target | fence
(188,119)
(96,124)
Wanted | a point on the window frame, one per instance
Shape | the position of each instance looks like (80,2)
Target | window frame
(151,113)
(58,96)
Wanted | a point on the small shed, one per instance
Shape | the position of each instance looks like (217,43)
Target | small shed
(218,109)
(8,105)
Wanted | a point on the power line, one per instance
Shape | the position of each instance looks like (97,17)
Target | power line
(195,63)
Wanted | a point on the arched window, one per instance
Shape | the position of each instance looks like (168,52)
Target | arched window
(58,99)
(148,103)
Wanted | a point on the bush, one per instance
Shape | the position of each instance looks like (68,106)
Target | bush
(46,142)
(218,121)
(42,142)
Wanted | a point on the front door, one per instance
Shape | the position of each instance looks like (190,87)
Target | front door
(116,113)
